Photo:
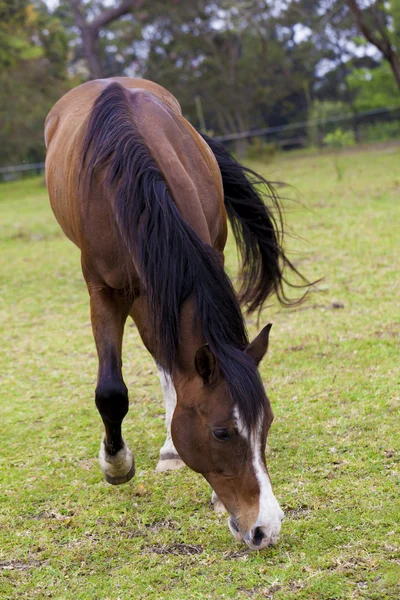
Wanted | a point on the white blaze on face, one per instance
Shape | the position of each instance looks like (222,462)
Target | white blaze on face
(270,513)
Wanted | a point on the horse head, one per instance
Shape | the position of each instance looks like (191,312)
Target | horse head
(215,437)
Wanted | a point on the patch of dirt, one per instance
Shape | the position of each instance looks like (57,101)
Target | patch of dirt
(141,491)
(19,565)
(235,554)
(261,592)
(391,330)
(87,464)
(296,586)
(161,525)
(53,514)
(352,563)
(337,305)
(307,307)
(130,534)
(389,453)
(331,306)
(297,513)
(176,549)
(125,531)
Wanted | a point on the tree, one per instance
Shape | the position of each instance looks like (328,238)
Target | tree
(373,88)
(90,30)
(16,20)
(32,78)
(236,59)
(372,21)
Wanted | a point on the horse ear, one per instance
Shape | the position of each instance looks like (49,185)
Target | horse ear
(259,346)
(205,363)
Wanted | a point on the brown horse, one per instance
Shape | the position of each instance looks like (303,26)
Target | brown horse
(145,198)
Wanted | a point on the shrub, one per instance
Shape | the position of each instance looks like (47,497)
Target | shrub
(339,139)
(379,132)
(258,149)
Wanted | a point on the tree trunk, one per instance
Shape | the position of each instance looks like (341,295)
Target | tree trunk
(89,39)
(394,61)
(90,31)
(89,43)
(381,41)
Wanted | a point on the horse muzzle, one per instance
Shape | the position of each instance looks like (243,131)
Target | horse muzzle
(260,536)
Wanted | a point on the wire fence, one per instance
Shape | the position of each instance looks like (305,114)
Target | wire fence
(307,125)
(13,172)
(336,131)
(377,125)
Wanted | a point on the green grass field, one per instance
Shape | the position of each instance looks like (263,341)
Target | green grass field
(332,373)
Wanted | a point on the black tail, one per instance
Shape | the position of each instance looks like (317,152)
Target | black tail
(258,233)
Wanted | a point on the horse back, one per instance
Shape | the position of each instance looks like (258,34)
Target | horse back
(187,164)
(185,160)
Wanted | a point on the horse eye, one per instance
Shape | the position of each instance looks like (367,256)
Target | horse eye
(222,435)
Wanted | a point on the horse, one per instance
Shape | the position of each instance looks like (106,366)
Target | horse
(145,197)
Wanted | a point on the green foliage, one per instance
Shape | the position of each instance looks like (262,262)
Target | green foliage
(339,139)
(373,88)
(259,149)
(247,63)
(117,43)
(379,132)
(327,109)
(332,374)
(30,82)
(243,70)
(27,92)
(322,111)
(17,21)
(395,14)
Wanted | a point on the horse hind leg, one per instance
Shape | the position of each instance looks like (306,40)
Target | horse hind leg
(169,457)
(109,311)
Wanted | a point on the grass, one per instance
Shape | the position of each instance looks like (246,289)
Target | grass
(333,378)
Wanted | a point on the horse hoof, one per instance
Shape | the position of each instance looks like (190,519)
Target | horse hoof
(169,464)
(120,478)
(118,468)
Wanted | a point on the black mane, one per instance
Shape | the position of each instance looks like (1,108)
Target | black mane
(173,263)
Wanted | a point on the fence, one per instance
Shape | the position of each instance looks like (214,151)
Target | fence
(306,125)
(381,124)
(377,125)
(8,173)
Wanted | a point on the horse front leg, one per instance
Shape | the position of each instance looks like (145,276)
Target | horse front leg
(169,457)
(109,311)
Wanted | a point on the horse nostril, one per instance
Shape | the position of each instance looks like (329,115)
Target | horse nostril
(258,536)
